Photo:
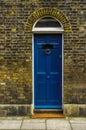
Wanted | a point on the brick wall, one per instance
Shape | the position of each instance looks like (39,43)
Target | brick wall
(16,50)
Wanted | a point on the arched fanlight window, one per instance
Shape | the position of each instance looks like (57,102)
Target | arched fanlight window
(48,24)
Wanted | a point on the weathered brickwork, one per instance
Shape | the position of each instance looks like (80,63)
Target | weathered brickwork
(16,20)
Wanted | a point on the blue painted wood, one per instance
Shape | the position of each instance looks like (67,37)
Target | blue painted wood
(48,71)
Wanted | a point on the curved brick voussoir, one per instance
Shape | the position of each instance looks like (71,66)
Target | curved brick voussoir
(51,12)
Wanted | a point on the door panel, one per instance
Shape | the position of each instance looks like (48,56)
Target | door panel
(41,60)
(48,71)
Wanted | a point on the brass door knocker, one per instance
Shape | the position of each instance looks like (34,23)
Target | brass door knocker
(47,51)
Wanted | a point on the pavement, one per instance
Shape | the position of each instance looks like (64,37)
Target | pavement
(19,123)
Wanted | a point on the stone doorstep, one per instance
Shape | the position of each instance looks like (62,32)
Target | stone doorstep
(47,115)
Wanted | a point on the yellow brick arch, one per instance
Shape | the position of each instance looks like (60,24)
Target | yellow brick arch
(48,11)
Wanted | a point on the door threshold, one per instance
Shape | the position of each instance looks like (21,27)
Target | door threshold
(48,110)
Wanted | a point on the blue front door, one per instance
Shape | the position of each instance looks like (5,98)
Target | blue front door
(48,71)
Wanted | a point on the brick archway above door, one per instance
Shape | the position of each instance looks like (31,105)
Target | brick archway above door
(51,12)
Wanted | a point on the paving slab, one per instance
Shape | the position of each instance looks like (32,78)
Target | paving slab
(10,124)
(37,120)
(58,124)
(33,124)
(78,126)
(77,120)
(11,118)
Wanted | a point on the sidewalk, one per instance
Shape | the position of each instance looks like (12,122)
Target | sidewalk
(18,123)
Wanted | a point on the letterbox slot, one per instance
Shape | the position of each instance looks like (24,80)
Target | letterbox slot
(47,46)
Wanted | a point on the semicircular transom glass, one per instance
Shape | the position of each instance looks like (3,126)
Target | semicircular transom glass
(48,22)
